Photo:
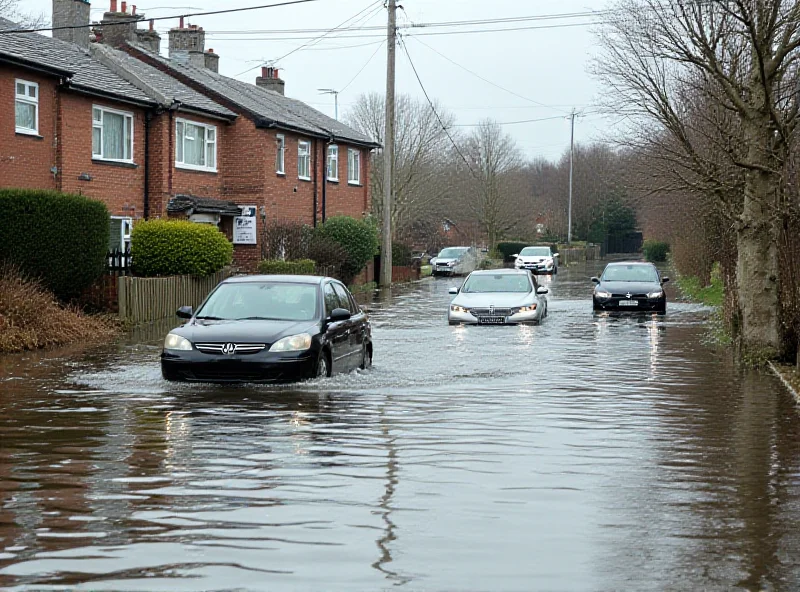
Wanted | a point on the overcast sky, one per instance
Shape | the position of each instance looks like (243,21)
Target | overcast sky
(544,66)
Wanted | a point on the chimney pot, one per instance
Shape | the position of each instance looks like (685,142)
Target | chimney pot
(211,51)
(113,6)
(264,72)
(124,6)
(134,9)
(181,25)
(152,24)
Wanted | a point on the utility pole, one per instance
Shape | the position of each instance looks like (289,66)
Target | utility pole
(335,93)
(571,164)
(388,149)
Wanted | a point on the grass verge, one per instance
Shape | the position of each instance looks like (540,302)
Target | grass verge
(32,318)
(710,295)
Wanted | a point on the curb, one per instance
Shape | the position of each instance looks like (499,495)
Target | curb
(785,382)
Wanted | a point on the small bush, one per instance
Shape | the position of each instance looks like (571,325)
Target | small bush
(509,249)
(32,318)
(58,239)
(328,254)
(402,254)
(278,267)
(286,241)
(177,247)
(655,251)
(359,238)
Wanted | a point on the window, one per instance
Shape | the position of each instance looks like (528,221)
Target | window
(354,167)
(281,157)
(26,107)
(304,160)
(331,299)
(112,135)
(345,301)
(196,146)
(120,235)
(333,163)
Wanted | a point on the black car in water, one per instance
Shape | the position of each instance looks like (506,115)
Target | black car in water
(269,328)
(630,286)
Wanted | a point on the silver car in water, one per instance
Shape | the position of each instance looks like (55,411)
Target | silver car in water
(454,261)
(498,297)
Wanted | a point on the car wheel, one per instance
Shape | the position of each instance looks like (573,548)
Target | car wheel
(366,358)
(323,367)
(596,307)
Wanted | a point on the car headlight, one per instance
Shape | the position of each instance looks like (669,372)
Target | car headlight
(453,263)
(459,309)
(655,295)
(300,342)
(530,308)
(602,294)
(176,342)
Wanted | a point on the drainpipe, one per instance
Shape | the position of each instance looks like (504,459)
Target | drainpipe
(148,118)
(324,182)
(316,177)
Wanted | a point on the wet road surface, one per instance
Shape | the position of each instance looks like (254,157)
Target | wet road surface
(589,453)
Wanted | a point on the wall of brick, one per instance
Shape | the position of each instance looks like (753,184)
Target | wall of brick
(25,161)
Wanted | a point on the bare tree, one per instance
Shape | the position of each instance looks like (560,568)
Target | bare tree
(493,185)
(740,57)
(421,151)
(10,9)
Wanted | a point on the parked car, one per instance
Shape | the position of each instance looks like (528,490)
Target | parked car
(634,286)
(537,260)
(498,297)
(455,261)
(269,328)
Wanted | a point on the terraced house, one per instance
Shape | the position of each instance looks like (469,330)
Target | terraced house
(99,111)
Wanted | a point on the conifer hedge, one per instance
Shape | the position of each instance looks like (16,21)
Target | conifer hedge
(58,238)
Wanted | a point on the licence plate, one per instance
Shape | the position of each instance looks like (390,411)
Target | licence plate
(629,303)
(492,320)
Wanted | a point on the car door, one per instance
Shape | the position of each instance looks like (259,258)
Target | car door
(338,333)
(353,344)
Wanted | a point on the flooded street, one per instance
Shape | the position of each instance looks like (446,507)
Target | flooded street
(588,453)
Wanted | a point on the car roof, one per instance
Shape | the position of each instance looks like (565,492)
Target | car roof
(500,271)
(286,279)
(626,263)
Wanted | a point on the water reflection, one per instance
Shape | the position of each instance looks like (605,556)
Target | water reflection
(589,453)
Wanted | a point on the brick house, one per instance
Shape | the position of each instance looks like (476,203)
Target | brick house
(104,115)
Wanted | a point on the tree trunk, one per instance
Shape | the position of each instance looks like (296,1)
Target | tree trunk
(757,263)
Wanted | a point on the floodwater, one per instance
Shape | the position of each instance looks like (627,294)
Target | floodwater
(589,453)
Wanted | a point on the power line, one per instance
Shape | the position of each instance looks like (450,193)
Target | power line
(512,122)
(352,80)
(160,18)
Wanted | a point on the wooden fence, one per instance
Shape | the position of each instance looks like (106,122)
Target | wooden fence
(143,300)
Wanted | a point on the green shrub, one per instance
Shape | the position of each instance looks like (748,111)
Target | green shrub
(178,247)
(278,267)
(59,239)
(328,255)
(359,238)
(402,254)
(655,251)
(509,249)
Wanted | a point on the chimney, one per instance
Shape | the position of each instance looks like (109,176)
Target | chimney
(212,61)
(185,41)
(270,80)
(72,13)
(149,38)
(120,27)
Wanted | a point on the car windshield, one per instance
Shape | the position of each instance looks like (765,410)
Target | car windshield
(630,273)
(261,300)
(497,282)
(452,253)
(535,252)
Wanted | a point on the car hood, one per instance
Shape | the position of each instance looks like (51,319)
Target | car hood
(448,260)
(536,259)
(500,300)
(243,331)
(632,287)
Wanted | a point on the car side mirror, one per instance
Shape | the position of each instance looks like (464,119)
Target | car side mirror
(185,312)
(555,254)
(542,291)
(515,255)
(596,280)
(340,314)
(453,290)
(664,280)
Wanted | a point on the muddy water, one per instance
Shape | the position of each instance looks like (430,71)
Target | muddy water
(589,453)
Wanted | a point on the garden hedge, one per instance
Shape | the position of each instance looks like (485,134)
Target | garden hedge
(57,238)
(508,249)
(178,247)
(655,251)
(358,237)
(278,267)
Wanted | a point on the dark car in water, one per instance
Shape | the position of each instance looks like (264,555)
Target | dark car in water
(269,328)
(630,286)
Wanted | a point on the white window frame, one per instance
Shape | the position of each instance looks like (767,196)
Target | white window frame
(280,158)
(301,144)
(353,173)
(27,100)
(128,116)
(125,232)
(206,143)
(333,156)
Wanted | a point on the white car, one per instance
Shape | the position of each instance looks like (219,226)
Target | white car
(537,260)
(455,261)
